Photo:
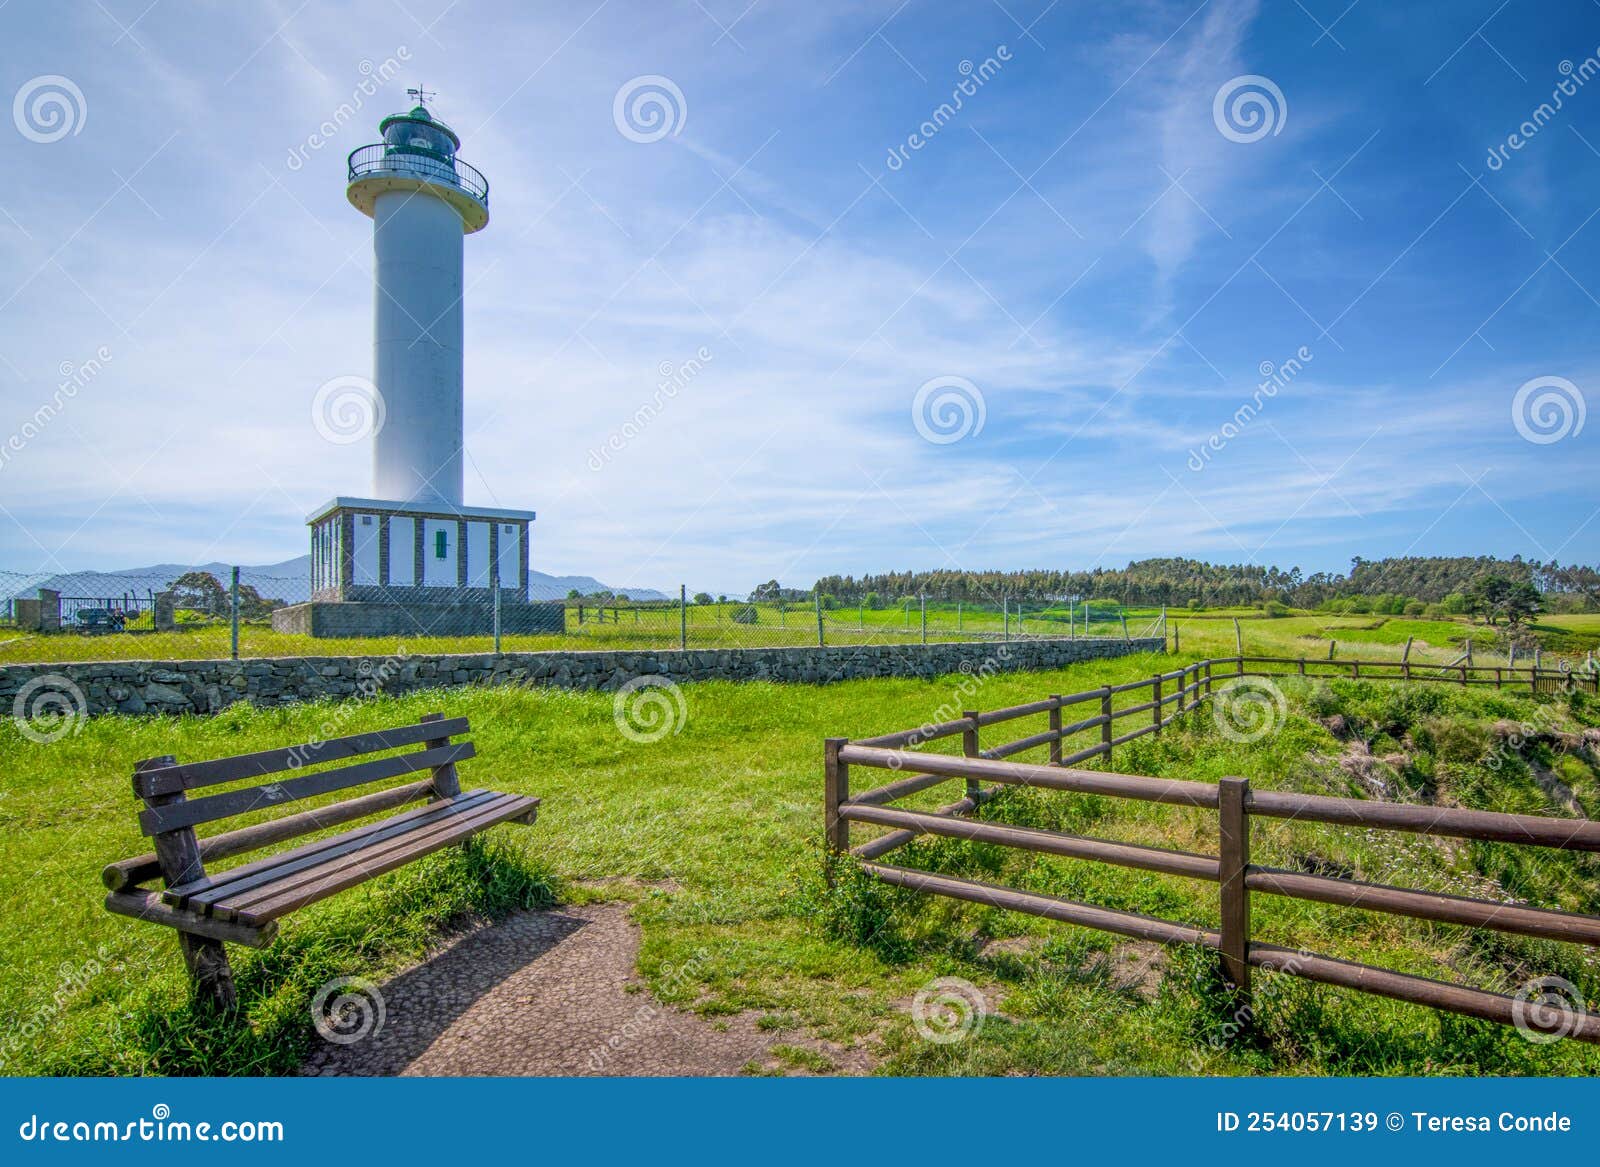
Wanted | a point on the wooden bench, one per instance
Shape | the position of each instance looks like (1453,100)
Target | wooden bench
(242,905)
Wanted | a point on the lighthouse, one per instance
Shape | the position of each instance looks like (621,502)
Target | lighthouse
(423,202)
(414,558)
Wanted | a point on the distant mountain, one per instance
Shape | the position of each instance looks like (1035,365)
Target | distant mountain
(289,581)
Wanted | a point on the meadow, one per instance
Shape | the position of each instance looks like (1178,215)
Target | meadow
(713,834)
(714,626)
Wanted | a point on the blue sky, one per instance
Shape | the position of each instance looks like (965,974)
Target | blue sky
(1088,248)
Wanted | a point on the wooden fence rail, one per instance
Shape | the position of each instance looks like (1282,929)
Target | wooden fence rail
(986,772)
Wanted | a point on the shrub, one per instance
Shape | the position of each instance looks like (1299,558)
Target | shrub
(746,615)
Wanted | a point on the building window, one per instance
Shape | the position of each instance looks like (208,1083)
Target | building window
(441,545)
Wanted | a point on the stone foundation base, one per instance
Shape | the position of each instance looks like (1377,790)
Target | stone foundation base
(335,619)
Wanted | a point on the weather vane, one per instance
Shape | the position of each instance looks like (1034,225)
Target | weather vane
(422,95)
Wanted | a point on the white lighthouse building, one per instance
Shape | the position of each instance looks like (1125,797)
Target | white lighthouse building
(413,559)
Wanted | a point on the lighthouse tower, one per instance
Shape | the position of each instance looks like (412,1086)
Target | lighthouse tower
(414,559)
(423,202)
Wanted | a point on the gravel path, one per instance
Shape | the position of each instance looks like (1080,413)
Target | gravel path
(546,993)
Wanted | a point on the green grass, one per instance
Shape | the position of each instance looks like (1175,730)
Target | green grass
(712,626)
(728,811)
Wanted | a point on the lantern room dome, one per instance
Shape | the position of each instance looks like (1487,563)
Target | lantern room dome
(419,131)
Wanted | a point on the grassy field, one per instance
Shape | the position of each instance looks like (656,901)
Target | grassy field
(714,626)
(714,833)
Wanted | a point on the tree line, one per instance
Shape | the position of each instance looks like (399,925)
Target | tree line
(1176,582)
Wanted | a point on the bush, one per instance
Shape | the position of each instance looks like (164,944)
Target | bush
(746,615)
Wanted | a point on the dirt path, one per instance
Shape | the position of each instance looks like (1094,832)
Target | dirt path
(545,993)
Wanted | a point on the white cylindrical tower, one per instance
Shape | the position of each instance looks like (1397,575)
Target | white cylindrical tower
(422,200)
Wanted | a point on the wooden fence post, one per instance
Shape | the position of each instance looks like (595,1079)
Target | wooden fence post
(1055,728)
(1105,724)
(1233,818)
(836,790)
(969,747)
(1155,697)
(178,853)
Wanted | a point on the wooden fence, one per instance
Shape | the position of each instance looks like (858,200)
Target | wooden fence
(985,773)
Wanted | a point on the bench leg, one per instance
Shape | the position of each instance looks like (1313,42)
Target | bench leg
(209,972)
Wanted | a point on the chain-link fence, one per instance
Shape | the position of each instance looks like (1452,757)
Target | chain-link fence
(219,611)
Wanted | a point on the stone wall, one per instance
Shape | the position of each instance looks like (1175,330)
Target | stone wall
(207,686)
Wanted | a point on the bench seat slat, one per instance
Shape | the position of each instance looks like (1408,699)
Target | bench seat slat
(158,819)
(191,775)
(199,894)
(259,905)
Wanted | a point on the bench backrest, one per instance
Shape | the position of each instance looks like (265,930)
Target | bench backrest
(170,815)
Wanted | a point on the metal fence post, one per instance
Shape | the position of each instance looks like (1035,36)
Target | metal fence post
(1005,615)
(494,582)
(820,640)
(1233,817)
(233,604)
(924,600)
(683,617)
